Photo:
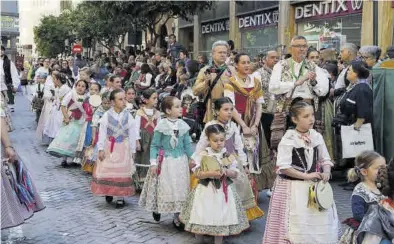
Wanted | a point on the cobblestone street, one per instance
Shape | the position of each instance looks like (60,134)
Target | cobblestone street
(73,215)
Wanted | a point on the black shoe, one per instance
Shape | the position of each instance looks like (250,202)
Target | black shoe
(120,204)
(156,216)
(178,225)
(109,199)
(64,164)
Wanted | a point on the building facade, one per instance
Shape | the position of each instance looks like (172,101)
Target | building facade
(10,27)
(31,13)
(256,26)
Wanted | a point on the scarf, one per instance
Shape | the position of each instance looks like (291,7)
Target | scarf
(251,96)
(174,132)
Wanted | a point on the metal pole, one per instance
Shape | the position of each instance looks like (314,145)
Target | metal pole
(375,23)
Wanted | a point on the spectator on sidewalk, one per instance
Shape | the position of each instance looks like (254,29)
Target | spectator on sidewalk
(9,78)
(174,49)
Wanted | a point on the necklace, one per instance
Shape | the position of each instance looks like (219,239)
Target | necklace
(297,77)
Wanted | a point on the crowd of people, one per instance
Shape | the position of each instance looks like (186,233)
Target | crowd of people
(260,123)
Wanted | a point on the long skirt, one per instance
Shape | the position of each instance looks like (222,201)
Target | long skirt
(54,123)
(291,221)
(167,193)
(6,109)
(328,134)
(142,158)
(66,141)
(13,212)
(207,212)
(90,158)
(264,180)
(44,117)
(113,175)
(85,140)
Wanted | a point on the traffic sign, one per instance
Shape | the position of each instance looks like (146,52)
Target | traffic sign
(77,48)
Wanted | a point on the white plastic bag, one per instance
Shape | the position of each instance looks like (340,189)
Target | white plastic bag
(355,142)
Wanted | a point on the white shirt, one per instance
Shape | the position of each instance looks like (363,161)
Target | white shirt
(131,125)
(292,140)
(341,79)
(148,80)
(278,86)
(14,75)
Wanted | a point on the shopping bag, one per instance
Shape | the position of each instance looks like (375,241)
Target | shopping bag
(356,141)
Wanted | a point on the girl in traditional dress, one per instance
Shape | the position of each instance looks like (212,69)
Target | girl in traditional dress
(302,155)
(38,103)
(92,152)
(108,84)
(146,119)
(55,118)
(47,92)
(377,226)
(66,141)
(112,174)
(167,183)
(214,207)
(85,138)
(131,106)
(246,93)
(48,95)
(223,111)
(366,193)
(16,205)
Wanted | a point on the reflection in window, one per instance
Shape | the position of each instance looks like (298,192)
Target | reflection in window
(332,33)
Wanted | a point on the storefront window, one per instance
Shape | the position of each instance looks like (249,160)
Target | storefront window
(209,39)
(256,41)
(332,33)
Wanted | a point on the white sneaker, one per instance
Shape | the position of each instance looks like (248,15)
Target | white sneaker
(269,193)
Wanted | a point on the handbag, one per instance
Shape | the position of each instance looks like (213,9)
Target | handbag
(356,141)
(321,196)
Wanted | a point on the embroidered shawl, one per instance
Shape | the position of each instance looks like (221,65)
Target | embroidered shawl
(251,96)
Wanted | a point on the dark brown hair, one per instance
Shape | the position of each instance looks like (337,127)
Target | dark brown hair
(214,129)
(238,57)
(113,94)
(297,105)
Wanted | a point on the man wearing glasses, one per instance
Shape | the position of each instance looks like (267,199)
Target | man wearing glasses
(297,77)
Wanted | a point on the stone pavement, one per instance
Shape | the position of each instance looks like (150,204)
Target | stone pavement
(73,215)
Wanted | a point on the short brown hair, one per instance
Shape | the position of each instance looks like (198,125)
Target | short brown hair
(167,103)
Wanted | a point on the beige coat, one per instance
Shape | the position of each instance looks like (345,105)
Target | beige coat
(201,87)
